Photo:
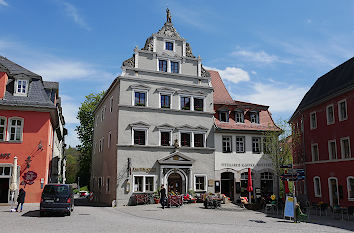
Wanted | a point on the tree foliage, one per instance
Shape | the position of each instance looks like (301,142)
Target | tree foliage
(85,135)
(72,164)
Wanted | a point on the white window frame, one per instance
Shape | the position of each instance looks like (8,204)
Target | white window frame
(319,186)
(5,127)
(9,129)
(144,182)
(348,189)
(16,93)
(340,117)
(242,117)
(311,125)
(146,97)
(227,115)
(312,152)
(191,102)
(172,41)
(260,145)
(165,93)
(330,156)
(256,113)
(205,182)
(199,97)
(222,143)
(146,135)
(342,147)
(111,104)
(204,138)
(191,138)
(169,67)
(167,63)
(168,131)
(331,191)
(244,144)
(103,112)
(327,114)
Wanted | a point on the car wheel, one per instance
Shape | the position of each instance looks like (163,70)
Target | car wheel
(68,213)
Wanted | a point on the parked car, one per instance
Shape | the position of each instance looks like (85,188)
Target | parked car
(57,198)
(83,193)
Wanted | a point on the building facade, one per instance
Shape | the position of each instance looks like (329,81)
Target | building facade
(324,121)
(32,129)
(239,144)
(154,124)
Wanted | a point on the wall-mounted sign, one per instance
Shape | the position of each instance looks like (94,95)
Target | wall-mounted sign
(5,155)
(210,183)
(29,177)
(143,169)
(246,165)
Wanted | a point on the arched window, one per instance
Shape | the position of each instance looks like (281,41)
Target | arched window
(15,129)
(350,186)
(244,183)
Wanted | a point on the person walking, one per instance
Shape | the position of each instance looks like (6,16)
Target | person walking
(163,196)
(21,199)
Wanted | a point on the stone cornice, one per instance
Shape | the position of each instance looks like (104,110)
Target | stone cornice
(166,148)
(134,79)
(163,110)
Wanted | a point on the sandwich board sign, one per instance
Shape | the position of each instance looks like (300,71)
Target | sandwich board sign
(289,207)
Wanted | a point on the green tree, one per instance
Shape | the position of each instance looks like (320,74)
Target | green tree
(85,135)
(72,164)
(278,147)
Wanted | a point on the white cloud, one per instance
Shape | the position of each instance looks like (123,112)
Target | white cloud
(280,97)
(72,12)
(3,3)
(232,74)
(259,56)
(70,109)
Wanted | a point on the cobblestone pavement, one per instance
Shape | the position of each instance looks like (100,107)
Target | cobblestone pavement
(151,218)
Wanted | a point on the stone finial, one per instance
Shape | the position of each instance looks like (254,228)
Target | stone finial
(168,16)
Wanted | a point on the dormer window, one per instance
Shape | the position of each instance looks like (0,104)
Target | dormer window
(239,117)
(169,45)
(254,116)
(21,87)
(224,116)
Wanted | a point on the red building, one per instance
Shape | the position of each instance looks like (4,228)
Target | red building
(324,121)
(31,128)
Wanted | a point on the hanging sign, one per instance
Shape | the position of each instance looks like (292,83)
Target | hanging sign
(5,155)
(29,177)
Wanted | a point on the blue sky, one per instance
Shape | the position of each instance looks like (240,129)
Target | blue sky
(268,52)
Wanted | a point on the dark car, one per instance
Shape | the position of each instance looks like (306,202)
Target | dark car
(57,198)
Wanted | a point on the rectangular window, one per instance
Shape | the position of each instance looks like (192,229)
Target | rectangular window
(317,186)
(165,138)
(15,130)
(165,101)
(256,145)
(198,140)
(138,184)
(100,183)
(313,120)
(330,114)
(254,116)
(111,105)
(109,139)
(240,144)
(2,128)
(342,110)
(108,184)
(345,148)
(198,104)
(174,67)
(239,117)
(226,144)
(139,137)
(315,152)
(350,181)
(200,183)
(163,65)
(267,145)
(332,149)
(149,184)
(186,139)
(224,116)
(21,86)
(185,103)
(169,46)
(140,99)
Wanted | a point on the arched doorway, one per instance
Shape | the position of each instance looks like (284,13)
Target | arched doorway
(175,183)
(227,184)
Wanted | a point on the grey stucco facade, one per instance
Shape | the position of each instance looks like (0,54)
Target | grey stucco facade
(171,144)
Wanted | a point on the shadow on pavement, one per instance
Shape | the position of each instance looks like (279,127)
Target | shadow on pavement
(82,201)
(36,214)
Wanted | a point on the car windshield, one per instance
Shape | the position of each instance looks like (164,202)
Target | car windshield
(57,190)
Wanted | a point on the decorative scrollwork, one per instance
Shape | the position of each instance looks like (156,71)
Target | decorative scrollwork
(129,62)
(189,52)
(149,44)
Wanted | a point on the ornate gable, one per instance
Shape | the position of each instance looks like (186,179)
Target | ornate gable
(176,158)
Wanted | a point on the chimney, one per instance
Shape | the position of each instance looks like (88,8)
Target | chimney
(3,82)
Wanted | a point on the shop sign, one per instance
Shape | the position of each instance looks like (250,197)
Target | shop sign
(246,165)
(29,177)
(143,169)
(5,155)
(210,183)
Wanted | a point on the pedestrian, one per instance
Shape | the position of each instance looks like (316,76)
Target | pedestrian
(21,199)
(163,196)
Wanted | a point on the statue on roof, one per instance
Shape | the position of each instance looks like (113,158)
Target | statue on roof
(168,16)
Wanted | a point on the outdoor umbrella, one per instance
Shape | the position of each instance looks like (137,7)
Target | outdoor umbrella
(249,186)
(13,185)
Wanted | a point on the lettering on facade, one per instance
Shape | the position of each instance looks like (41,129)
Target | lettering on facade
(5,155)
(143,169)
(246,165)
